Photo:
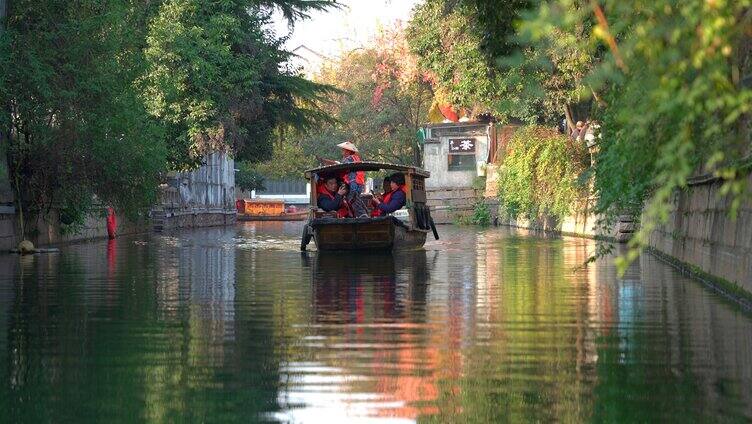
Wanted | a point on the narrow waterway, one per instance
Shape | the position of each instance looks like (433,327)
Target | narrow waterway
(494,325)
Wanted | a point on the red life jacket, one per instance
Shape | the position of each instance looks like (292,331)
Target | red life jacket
(387,198)
(360,176)
(343,211)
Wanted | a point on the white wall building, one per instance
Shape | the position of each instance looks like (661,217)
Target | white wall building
(455,153)
(310,61)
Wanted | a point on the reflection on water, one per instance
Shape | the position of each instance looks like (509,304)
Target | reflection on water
(482,326)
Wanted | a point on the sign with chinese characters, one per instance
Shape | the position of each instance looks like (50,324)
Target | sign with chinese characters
(461,145)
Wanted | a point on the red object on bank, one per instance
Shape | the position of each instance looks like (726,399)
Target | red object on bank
(111,222)
(448,111)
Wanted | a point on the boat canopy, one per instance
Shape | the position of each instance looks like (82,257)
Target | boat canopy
(367,166)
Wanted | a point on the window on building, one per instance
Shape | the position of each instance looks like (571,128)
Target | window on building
(461,154)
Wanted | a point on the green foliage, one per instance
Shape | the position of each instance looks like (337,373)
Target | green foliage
(288,161)
(382,103)
(75,126)
(673,103)
(479,184)
(472,53)
(448,47)
(692,111)
(540,176)
(481,213)
(664,79)
(101,98)
(215,75)
(247,177)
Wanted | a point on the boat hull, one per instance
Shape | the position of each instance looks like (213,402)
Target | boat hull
(297,216)
(385,233)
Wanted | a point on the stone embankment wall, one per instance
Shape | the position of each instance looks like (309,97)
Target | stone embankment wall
(204,197)
(201,198)
(49,231)
(8,239)
(449,204)
(580,224)
(583,223)
(702,238)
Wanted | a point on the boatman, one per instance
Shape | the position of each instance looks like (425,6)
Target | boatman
(356,180)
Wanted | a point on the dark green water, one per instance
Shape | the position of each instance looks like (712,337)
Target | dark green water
(234,325)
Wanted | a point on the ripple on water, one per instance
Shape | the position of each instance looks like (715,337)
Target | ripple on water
(235,324)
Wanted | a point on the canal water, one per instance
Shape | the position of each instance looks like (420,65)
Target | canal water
(485,325)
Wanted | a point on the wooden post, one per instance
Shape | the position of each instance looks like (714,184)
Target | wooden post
(314,199)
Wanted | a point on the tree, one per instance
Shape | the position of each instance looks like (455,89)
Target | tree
(670,97)
(72,120)
(382,102)
(101,98)
(288,161)
(248,178)
(480,60)
(675,105)
(448,47)
(217,77)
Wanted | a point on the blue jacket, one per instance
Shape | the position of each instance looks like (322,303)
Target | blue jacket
(329,204)
(396,202)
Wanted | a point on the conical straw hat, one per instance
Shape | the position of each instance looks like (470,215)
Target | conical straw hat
(348,146)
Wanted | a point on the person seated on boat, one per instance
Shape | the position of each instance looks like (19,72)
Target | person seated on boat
(331,196)
(393,200)
(386,188)
(356,180)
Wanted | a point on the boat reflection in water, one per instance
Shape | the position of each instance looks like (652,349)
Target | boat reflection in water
(370,330)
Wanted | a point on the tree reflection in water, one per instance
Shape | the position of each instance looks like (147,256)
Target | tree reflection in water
(490,325)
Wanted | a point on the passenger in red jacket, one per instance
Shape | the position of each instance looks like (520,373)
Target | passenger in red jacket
(394,199)
(331,197)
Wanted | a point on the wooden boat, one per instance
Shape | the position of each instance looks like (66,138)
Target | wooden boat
(266,210)
(378,233)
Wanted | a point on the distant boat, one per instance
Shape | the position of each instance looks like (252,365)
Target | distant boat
(377,233)
(267,210)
